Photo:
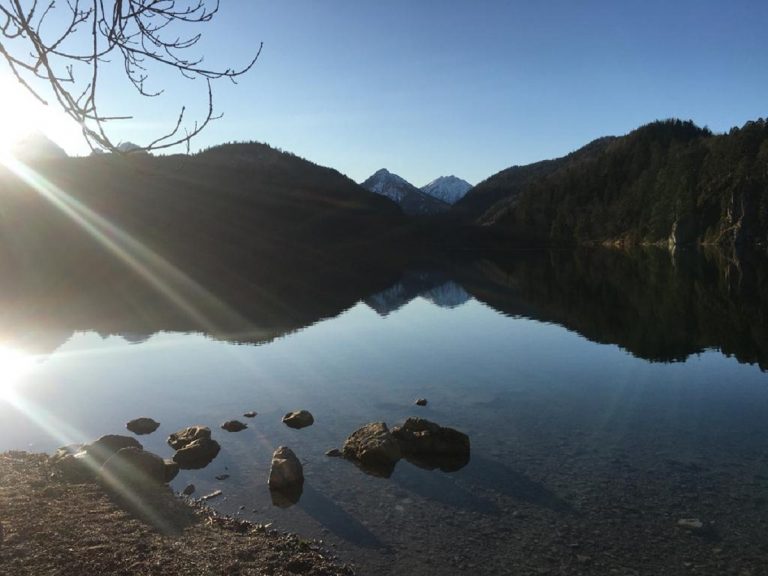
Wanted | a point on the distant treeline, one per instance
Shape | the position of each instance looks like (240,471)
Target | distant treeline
(669,181)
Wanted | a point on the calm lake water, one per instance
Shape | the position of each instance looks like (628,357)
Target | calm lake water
(606,398)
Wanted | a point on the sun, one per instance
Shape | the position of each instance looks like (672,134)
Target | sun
(17,115)
(21,115)
(14,366)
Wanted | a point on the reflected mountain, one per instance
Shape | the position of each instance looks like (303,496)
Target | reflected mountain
(431,284)
(657,305)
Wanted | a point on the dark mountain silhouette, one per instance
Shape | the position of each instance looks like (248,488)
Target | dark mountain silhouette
(668,182)
(36,147)
(200,232)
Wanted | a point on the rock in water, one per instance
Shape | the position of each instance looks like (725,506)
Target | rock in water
(430,445)
(197,454)
(234,426)
(142,425)
(300,419)
(188,435)
(250,414)
(421,402)
(334,453)
(100,451)
(374,447)
(136,468)
(286,470)
(286,478)
(189,489)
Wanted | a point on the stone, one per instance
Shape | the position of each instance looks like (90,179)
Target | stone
(133,467)
(421,402)
(299,419)
(142,426)
(250,414)
(189,489)
(374,447)
(234,426)
(197,454)
(430,445)
(286,470)
(691,524)
(102,449)
(73,467)
(222,477)
(334,453)
(188,435)
(171,469)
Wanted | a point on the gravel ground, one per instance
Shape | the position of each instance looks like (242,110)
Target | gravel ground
(49,527)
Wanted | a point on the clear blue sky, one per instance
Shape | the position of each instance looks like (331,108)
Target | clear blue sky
(427,88)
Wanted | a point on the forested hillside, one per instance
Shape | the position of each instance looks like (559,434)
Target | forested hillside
(668,181)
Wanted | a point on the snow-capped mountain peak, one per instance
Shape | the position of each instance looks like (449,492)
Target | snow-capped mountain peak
(449,189)
(411,199)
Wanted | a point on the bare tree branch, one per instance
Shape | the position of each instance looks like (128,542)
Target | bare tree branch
(141,34)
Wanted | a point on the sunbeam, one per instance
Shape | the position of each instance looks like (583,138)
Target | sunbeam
(178,288)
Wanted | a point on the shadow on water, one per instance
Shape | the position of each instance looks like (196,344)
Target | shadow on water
(337,520)
(502,479)
(458,490)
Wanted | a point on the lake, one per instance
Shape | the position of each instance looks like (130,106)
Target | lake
(607,396)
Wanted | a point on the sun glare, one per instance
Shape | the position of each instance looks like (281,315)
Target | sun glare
(21,116)
(14,365)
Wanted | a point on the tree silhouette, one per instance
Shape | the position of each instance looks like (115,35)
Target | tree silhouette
(59,49)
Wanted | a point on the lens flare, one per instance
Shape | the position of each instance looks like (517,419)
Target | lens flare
(14,365)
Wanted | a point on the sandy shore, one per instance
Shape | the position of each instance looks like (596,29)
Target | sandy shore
(49,526)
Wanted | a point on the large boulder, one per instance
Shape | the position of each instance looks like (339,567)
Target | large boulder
(102,449)
(299,419)
(137,468)
(197,454)
(186,436)
(373,447)
(430,445)
(142,425)
(286,477)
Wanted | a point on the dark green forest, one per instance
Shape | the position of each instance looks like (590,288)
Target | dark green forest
(666,182)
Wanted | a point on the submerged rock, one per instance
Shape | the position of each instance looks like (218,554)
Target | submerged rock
(186,436)
(374,447)
(197,454)
(334,453)
(429,445)
(234,426)
(142,426)
(189,489)
(299,419)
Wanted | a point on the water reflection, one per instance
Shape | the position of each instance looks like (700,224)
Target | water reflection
(577,447)
(658,306)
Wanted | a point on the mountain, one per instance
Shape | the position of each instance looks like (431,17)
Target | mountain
(507,184)
(668,183)
(244,215)
(449,189)
(412,200)
(37,146)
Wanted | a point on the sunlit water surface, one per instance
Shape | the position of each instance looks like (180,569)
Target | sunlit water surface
(572,441)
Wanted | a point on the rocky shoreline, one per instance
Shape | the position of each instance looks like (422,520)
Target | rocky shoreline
(51,526)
